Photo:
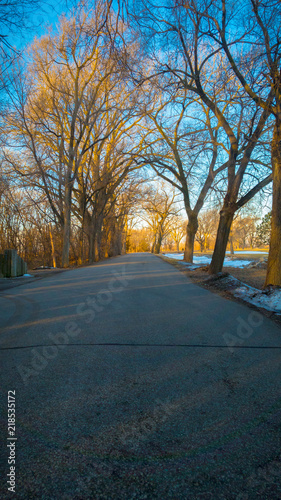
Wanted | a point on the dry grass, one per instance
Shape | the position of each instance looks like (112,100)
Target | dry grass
(251,276)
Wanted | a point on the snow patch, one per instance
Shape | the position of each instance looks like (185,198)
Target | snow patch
(236,263)
(204,259)
(249,252)
(190,266)
(22,276)
(267,299)
(197,259)
(177,256)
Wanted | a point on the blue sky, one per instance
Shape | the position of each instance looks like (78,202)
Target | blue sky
(45,15)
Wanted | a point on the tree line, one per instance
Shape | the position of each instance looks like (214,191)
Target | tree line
(188,92)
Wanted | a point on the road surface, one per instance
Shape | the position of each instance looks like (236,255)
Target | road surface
(133,383)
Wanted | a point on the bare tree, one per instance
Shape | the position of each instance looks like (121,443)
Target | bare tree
(207,228)
(257,69)
(183,150)
(243,230)
(194,64)
(57,106)
(108,166)
(177,231)
(159,210)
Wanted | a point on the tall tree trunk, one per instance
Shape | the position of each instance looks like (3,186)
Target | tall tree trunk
(191,230)
(124,242)
(91,237)
(52,247)
(273,276)
(66,226)
(97,244)
(205,242)
(154,243)
(231,243)
(226,218)
(119,239)
(81,245)
(158,243)
(95,239)
(118,247)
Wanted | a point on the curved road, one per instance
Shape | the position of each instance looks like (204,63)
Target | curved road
(133,383)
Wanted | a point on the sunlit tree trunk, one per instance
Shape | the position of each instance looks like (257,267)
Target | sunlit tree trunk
(158,243)
(97,245)
(95,232)
(231,243)
(191,230)
(81,244)
(154,243)
(226,218)
(52,247)
(205,241)
(91,236)
(273,276)
(66,226)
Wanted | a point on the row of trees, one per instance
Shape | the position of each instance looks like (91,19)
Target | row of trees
(27,227)
(189,91)
(69,133)
(223,58)
(165,227)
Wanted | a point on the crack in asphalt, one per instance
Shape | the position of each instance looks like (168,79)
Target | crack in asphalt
(118,344)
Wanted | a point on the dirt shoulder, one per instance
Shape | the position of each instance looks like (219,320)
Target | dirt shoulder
(251,276)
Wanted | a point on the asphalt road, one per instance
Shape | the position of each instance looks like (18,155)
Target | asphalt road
(133,383)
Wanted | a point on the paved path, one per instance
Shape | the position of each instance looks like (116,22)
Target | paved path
(127,387)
